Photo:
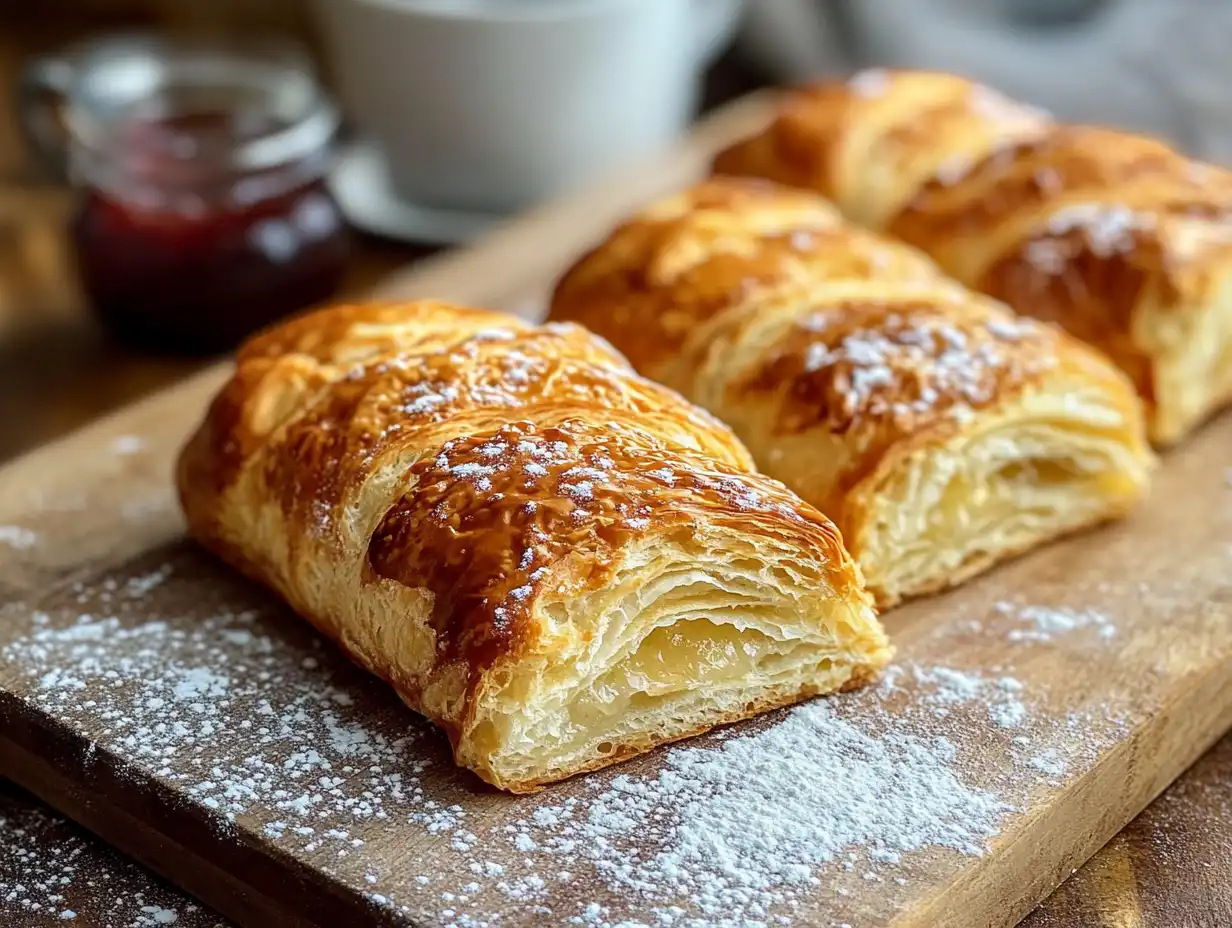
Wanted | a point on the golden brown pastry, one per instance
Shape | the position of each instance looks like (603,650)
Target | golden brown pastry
(940,431)
(557,561)
(1121,240)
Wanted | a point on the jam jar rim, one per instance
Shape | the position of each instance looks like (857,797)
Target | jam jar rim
(299,138)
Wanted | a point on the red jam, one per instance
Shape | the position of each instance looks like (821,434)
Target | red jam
(188,257)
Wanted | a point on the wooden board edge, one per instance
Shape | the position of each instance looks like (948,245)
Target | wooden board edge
(1044,854)
(91,789)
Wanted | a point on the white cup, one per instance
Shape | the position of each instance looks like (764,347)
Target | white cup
(491,105)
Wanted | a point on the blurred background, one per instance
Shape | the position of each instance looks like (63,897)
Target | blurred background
(175,173)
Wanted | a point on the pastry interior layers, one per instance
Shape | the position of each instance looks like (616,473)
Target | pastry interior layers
(939,430)
(557,561)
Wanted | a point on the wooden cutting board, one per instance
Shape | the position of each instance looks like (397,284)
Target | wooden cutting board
(187,718)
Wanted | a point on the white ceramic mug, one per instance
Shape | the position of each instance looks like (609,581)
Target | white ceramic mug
(491,105)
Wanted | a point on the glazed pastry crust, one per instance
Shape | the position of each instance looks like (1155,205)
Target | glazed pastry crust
(939,430)
(557,561)
(1118,238)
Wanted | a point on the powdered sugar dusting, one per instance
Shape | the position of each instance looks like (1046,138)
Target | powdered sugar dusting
(1040,623)
(873,82)
(494,335)
(941,688)
(17,537)
(582,472)
(1049,762)
(756,816)
(143,584)
(552,492)
(917,362)
(727,830)
(125,445)
(1106,229)
(1048,256)
(269,732)
(953,169)
(995,106)
(1109,229)
(502,368)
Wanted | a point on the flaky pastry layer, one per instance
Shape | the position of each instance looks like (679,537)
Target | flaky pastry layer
(1118,238)
(939,430)
(558,562)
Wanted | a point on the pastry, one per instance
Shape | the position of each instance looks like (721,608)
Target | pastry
(555,560)
(939,430)
(1116,237)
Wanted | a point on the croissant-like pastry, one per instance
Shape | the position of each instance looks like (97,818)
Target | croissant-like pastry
(940,431)
(1121,240)
(558,562)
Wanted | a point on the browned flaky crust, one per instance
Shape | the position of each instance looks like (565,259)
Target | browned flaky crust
(835,353)
(398,472)
(1105,232)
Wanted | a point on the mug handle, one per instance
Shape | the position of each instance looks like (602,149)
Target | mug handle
(716,22)
(42,89)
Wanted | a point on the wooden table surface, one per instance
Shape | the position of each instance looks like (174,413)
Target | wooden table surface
(1171,868)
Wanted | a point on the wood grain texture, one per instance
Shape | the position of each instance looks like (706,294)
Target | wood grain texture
(1162,578)
(1154,873)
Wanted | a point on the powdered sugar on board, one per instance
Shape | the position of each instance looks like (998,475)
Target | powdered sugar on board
(124,445)
(15,536)
(269,732)
(1040,623)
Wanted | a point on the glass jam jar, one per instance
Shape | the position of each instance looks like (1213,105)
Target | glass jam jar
(204,213)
